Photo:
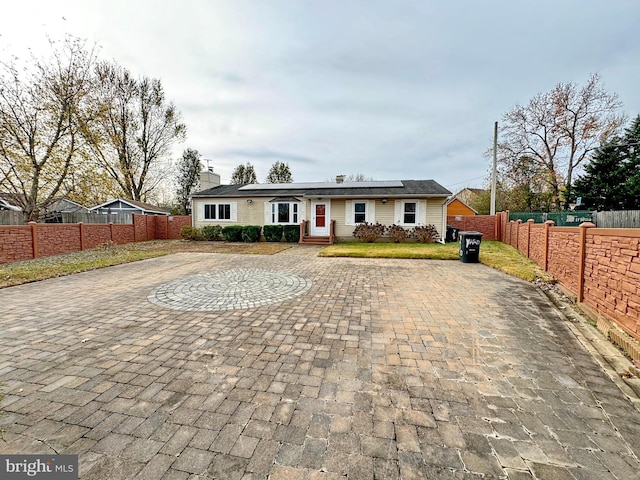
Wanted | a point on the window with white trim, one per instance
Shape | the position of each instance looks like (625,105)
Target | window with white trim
(219,211)
(284,212)
(409,214)
(359,212)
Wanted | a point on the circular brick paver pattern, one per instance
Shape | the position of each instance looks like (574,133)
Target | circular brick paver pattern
(229,290)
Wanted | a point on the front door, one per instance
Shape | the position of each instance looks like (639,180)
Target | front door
(320,219)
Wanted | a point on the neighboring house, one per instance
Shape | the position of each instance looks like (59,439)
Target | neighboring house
(468,195)
(64,205)
(54,211)
(456,207)
(326,210)
(121,205)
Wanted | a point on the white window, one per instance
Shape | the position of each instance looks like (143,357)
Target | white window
(409,216)
(360,211)
(283,213)
(220,212)
(410,213)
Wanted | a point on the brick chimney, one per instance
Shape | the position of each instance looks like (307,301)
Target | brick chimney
(339,178)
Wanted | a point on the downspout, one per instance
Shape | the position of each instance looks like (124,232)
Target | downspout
(444,222)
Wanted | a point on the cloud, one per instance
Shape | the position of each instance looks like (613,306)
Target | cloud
(269,155)
(400,89)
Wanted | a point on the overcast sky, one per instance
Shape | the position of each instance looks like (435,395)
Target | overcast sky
(391,89)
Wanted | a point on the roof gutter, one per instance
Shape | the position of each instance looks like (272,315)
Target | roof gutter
(379,195)
(320,195)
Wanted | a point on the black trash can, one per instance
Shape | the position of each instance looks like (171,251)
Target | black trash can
(470,247)
(452,234)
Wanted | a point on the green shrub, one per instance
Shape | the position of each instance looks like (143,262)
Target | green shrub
(232,233)
(426,234)
(397,234)
(368,232)
(292,233)
(190,233)
(211,232)
(273,233)
(251,233)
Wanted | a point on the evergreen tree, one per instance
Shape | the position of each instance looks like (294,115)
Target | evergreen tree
(188,178)
(612,179)
(243,175)
(632,160)
(280,173)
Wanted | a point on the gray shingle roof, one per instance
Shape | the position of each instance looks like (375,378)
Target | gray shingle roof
(145,207)
(409,188)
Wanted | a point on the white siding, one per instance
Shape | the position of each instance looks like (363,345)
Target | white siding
(429,211)
(243,212)
(435,215)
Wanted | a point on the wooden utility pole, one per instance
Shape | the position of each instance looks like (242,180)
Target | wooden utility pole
(494,170)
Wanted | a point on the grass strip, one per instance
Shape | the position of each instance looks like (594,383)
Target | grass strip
(494,254)
(433,251)
(509,260)
(48,267)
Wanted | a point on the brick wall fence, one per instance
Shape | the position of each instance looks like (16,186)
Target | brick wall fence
(489,225)
(24,242)
(600,266)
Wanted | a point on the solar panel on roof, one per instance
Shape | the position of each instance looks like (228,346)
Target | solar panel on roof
(323,185)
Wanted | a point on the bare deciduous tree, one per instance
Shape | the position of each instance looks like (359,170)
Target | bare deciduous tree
(555,132)
(134,131)
(40,124)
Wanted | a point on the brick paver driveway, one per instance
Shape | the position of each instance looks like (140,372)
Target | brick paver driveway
(355,369)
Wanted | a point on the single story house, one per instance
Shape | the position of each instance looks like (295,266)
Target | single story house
(121,205)
(468,195)
(456,207)
(325,210)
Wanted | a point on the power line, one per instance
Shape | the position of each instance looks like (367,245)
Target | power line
(460,183)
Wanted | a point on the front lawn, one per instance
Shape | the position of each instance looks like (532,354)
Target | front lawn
(497,255)
(26,271)
(433,251)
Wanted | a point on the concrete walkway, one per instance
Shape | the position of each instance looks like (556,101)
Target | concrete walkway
(355,369)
